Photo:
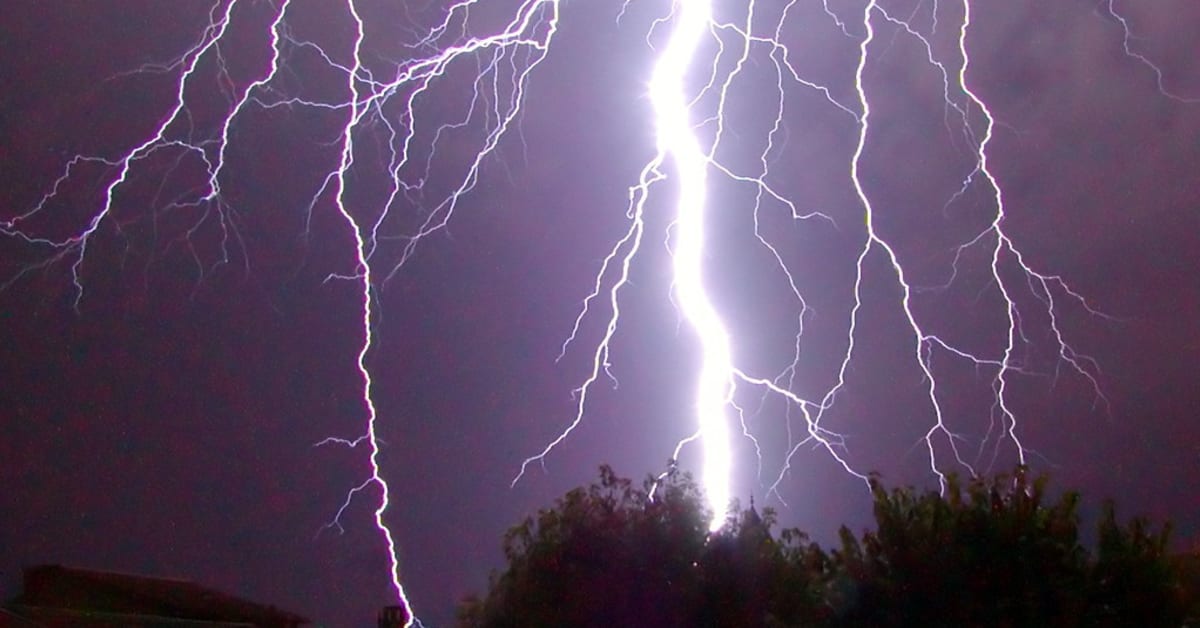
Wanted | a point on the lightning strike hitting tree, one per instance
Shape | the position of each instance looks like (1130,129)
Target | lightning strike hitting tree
(397,134)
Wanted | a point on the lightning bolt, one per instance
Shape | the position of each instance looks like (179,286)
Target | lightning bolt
(677,140)
(1127,44)
(387,114)
(718,377)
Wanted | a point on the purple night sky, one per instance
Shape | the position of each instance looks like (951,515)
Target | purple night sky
(166,425)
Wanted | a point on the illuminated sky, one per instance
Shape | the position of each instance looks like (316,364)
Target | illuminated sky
(167,426)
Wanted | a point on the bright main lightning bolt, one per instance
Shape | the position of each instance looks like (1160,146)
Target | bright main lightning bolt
(677,140)
(389,102)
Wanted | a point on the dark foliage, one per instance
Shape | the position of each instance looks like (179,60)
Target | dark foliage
(748,577)
(993,553)
(1188,568)
(605,555)
(992,556)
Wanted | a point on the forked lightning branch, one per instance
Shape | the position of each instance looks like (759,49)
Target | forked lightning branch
(701,52)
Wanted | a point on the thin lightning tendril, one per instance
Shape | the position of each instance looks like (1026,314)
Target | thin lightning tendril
(388,100)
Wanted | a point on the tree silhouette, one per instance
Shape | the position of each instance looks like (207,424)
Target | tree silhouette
(991,553)
(1134,580)
(605,555)
(748,577)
